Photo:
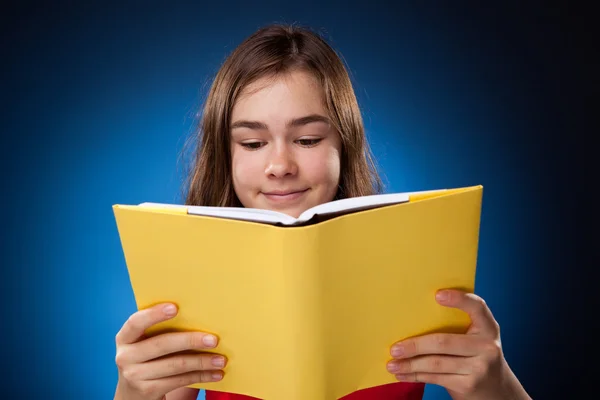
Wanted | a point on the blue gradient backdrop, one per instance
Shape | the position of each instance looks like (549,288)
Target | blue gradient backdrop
(98,100)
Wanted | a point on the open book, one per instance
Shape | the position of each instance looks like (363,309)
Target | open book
(323,211)
(306,308)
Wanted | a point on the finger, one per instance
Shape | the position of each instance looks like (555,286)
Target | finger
(168,343)
(171,383)
(452,382)
(135,327)
(431,364)
(482,319)
(454,344)
(175,365)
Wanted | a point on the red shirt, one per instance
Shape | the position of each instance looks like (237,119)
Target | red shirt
(392,391)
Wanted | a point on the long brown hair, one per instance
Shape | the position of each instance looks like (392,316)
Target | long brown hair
(270,51)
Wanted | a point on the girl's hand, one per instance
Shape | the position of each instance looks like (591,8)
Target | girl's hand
(148,369)
(470,366)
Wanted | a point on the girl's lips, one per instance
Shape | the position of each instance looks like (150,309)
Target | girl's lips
(282,197)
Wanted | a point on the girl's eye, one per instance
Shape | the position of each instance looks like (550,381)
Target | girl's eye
(309,142)
(253,145)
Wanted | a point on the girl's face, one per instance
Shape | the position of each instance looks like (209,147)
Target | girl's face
(285,154)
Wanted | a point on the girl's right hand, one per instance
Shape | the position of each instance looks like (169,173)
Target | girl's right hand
(149,370)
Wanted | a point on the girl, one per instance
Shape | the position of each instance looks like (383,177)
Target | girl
(281,130)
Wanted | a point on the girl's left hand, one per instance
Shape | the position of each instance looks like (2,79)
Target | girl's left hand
(470,366)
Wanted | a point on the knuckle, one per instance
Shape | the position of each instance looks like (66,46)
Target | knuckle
(159,343)
(204,362)
(441,340)
(121,359)
(206,376)
(203,376)
(435,364)
(194,341)
(412,347)
(416,377)
(481,302)
(182,363)
(188,379)
(178,364)
(496,327)
(405,366)
(173,365)
(493,350)
(478,299)
(130,374)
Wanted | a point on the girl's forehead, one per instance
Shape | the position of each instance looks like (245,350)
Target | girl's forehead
(292,80)
(287,91)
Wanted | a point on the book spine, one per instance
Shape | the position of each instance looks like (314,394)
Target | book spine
(302,285)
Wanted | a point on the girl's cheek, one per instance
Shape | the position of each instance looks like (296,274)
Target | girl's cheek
(323,165)
(245,169)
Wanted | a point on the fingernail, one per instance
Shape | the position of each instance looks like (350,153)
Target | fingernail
(217,375)
(209,340)
(393,367)
(397,351)
(170,310)
(218,361)
(442,296)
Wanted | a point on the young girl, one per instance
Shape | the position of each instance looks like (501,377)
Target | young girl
(281,130)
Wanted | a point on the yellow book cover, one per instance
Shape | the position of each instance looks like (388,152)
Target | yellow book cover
(306,308)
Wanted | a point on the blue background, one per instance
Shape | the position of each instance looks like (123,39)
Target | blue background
(98,100)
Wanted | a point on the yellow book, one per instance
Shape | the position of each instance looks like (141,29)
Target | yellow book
(306,308)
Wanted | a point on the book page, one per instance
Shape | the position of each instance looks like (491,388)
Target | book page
(353,204)
(239,213)
(320,212)
(247,214)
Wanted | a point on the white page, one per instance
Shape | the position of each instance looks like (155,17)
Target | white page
(353,204)
(250,214)
(246,214)
(274,217)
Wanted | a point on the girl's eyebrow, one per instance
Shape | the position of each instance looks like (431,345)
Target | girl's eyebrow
(295,122)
